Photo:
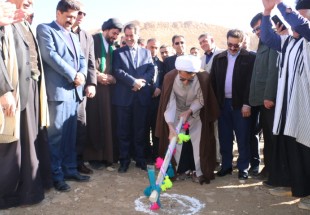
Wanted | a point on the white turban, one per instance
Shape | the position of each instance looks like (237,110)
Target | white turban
(188,63)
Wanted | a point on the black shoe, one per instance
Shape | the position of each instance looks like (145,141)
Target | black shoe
(263,175)
(141,165)
(218,166)
(254,171)
(183,176)
(84,169)
(150,161)
(110,167)
(123,168)
(97,165)
(242,176)
(267,184)
(77,177)
(224,172)
(62,186)
(201,179)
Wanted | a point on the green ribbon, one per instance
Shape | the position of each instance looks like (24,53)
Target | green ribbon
(104,55)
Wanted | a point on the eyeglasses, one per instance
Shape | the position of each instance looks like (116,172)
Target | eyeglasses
(178,43)
(256,29)
(80,13)
(187,79)
(233,45)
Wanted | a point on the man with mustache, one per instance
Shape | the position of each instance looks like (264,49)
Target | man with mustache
(231,76)
(65,69)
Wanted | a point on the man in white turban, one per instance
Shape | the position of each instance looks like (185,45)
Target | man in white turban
(185,93)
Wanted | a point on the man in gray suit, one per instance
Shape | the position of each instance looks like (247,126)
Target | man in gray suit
(207,44)
(65,69)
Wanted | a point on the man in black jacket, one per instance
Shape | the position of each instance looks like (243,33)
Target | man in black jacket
(231,76)
(179,44)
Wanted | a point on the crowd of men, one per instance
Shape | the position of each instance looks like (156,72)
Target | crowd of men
(72,102)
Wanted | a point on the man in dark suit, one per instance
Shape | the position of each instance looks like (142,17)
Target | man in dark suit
(152,149)
(65,69)
(87,46)
(179,44)
(134,70)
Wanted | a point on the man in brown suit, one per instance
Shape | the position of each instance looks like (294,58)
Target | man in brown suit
(87,46)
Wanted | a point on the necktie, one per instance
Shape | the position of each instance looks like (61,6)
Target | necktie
(133,56)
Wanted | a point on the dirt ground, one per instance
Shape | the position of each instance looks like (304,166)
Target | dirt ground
(112,193)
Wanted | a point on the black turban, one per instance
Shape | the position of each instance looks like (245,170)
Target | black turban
(112,23)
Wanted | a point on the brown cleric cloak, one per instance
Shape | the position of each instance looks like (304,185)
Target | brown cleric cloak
(208,114)
(100,115)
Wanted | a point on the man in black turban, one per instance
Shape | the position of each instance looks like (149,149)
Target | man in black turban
(99,150)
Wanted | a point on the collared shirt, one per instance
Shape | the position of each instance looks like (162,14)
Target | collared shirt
(67,34)
(78,30)
(229,73)
(209,56)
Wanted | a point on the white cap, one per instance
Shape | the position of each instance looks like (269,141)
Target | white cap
(188,63)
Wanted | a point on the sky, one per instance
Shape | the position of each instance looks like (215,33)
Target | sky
(227,13)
